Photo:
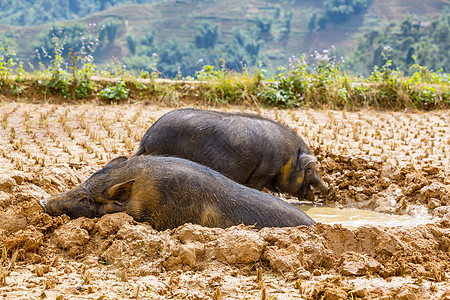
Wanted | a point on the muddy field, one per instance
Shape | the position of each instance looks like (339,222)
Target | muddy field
(391,162)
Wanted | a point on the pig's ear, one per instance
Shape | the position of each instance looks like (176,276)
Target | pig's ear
(116,161)
(121,191)
(305,159)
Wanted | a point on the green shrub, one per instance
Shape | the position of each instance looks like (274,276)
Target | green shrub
(118,92)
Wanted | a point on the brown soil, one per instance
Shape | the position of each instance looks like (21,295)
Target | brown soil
(395,162)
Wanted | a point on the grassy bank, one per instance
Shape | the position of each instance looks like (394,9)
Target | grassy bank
(76,78)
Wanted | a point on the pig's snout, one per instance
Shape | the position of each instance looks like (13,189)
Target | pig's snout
(47,205)
(323,187)
(317,187)
(43,203)
(52,207)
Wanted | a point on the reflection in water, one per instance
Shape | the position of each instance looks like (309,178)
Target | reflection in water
(353,217)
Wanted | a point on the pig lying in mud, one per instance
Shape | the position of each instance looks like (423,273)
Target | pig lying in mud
(249,149)
(167,192)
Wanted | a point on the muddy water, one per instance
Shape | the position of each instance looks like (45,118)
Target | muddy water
(353,218)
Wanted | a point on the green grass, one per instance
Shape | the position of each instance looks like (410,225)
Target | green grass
(298,85)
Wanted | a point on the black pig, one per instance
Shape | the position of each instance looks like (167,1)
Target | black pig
(249,149)
(167,192)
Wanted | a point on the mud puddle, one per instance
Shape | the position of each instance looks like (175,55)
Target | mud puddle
(353,218)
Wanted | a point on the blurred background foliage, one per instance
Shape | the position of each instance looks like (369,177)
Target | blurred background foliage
(179,37)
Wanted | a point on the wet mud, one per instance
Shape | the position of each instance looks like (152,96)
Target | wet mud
(388,162)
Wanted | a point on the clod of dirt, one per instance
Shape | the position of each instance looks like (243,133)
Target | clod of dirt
(35,215)
(435,194)
(433,203)
(356,264)
(237,246)
(327,291)
(187,255)
(388,171)
(433,190)
(12,221)
(19,217)
(73,235)
(285,260)
(5,199)
(110,224)
(359,293)
(28,239)
(441,211)
(196,233)
(6,182)
(334,293)
(409,292)
(378,241)
(134,243)
(387,201)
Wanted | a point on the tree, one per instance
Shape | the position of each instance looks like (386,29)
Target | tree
(243,48)
(312,22)
(131,44)
(288,19)
(110,29)
(176,57)
(208,36)
(264,25)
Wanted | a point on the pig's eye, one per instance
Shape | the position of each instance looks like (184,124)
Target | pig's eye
(84,200)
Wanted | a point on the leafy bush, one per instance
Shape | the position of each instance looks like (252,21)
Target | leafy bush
(288,87)
(117,92)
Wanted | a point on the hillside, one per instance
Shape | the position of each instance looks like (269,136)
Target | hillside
(26,12)
(180,21)
(379,13)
